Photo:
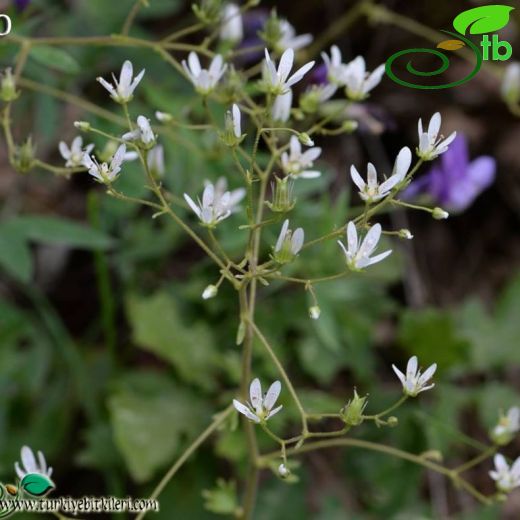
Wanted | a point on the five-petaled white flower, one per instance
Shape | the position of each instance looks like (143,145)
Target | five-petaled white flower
(335,67)
(123,91)
(508,425)
(281,109)
(217,203)
(358,251)
(204,80)
(103,172)
(74,154)
(414,382)
(289,243)
(260,407)
(506,477)
(430,144)
(289,39)
(143,134)
(372,191)
(31,465)
(358,82)
(232,27)
(296,162)
(278,79)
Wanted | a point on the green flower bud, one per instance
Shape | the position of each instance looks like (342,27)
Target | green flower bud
(84,126)
(208,11)
(209,292)
(272,32)
(24,156)
(305,139)
(439,214)
(314,312)
(8,90)
(392,421)
(352,412)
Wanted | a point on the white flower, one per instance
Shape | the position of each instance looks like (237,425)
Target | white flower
(74,154)
(358,82)
(279,80)
(372,191)
(335,67)
(414,382)
(204,80)
(289,39)
(103,172)
(143,134)
(30,465)
(296,163)
(155,161)
(231,28)
(123,90)
(217,203)
(281,109)
(358,252)
(508,425)
(430,144)
(260,407)
(511,84)
(288,244)
(507,478)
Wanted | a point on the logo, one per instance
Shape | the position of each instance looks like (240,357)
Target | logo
(5,25)
(477,21)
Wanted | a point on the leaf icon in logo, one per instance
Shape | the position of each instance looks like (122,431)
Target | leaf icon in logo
(451,45)
(484,19)
(36,484)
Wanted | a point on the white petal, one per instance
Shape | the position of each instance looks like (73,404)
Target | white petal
(194,63)
(244,410)
(297,241)
(193,206)
(399,374)
(285,65)
(21,474)
(371,175)
(434,126)
(411,367)
(352,238)
(125,78)
(402,162)
(281,236)
(64,150)
(428,374)
(357,179)
(378,258)
(108,86)
(274,412)
(370,241)
(298,75)
(28,460)
(272,395)
(255,393)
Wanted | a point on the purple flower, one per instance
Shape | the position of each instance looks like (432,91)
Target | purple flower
(455,181)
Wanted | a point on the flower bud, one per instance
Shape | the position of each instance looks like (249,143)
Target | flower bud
(24,156)
(272,32)
(352,412)
(8,90)
(163,117)
(392,421)
(350,126)
(283,471)
(314,312)
(209,292)
(208,11)
(405,233)
(305,139)
(84,126)
(283,200)
(439,214)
